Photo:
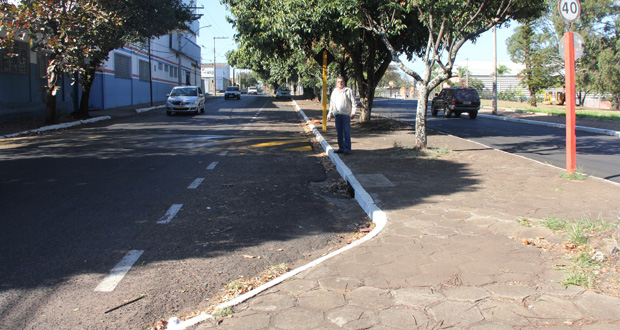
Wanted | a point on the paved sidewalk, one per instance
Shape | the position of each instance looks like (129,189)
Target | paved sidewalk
(452,254)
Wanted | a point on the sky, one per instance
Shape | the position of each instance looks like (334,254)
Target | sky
(477,57)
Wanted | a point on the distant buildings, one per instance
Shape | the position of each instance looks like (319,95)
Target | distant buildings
(222,75)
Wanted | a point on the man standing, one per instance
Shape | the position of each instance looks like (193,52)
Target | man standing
(342,107)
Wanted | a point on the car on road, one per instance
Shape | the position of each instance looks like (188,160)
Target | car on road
(456,101)
(185,99)
(232,92)
(252,90)
(283,92)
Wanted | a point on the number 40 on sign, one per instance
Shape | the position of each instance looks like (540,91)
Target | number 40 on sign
(569,10)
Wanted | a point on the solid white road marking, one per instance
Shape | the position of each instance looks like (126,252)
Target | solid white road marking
(117,273)
(212,166)
(172,211)
(196,183)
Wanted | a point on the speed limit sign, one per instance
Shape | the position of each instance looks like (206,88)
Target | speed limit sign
(569,10)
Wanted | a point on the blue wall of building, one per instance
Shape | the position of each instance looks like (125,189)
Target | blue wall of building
(23,96)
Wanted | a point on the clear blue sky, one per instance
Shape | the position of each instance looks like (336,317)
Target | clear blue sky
(215,13)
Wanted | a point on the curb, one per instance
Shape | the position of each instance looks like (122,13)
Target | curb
(71,124)
(555,125)
(363,198)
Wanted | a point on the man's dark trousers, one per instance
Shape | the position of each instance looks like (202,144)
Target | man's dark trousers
(343,128)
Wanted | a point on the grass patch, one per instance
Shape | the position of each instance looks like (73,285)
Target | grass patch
(583,268)
(412,152)
(223,312)
(577,175)
(524,222)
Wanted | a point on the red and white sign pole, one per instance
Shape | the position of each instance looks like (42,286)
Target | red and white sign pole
(570,11)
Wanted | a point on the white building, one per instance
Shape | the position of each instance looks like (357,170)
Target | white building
(222,75)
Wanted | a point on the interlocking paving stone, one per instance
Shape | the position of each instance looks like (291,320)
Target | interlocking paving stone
(271,302)
(298,318)
(403,318)
(370,297)
(456,313)
(320,300)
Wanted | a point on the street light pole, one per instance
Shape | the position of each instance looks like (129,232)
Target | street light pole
(214,65)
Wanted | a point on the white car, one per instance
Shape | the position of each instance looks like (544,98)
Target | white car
(253,90)
(232,92)
(185,99)
(283,92)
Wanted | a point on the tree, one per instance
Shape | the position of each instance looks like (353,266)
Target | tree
(128,28)
(595,22)
(247,79)
(609,61)
(77,36)
(502,70)
(529,48)
(448,25)
(277,31)
(61,30)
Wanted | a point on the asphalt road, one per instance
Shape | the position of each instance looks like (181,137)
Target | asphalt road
(174,207)
(597,155)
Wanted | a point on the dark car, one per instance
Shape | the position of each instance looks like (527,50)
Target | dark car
(456,101)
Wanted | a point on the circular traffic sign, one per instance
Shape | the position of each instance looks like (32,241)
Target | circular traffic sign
(569,10)
(578,43)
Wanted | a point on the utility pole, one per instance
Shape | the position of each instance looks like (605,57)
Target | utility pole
(214,66)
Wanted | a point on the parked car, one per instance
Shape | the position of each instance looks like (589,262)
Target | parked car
(283,92)
(244,91)
(232,92)
(184,99)
(253,90)
(456,101)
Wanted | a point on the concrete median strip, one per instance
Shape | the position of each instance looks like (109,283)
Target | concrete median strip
(378,217)
(556,125)
(72,124)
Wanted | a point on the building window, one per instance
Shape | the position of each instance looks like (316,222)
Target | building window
(160,66)
(18,62)
(144,71)
(122,66)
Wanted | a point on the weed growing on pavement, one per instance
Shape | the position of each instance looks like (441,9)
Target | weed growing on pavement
(584,268)
(412,152)
(223,312)
(524,222)
(578,175)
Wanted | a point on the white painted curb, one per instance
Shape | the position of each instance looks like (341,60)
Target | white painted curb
(74,123)
(555,125)
(363,198)
(58,126)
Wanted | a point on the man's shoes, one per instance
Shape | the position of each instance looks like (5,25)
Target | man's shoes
(339,151)
(346,153)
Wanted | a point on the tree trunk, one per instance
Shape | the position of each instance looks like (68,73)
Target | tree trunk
(50,95)
(87,83)
(420,121)
(532,97)
(617,102)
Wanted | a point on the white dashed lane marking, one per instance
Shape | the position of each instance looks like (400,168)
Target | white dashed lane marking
(119,271)
(196,183)
(224,153)
(212,166)
(171,213)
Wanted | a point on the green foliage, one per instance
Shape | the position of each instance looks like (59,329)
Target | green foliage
(76,36)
